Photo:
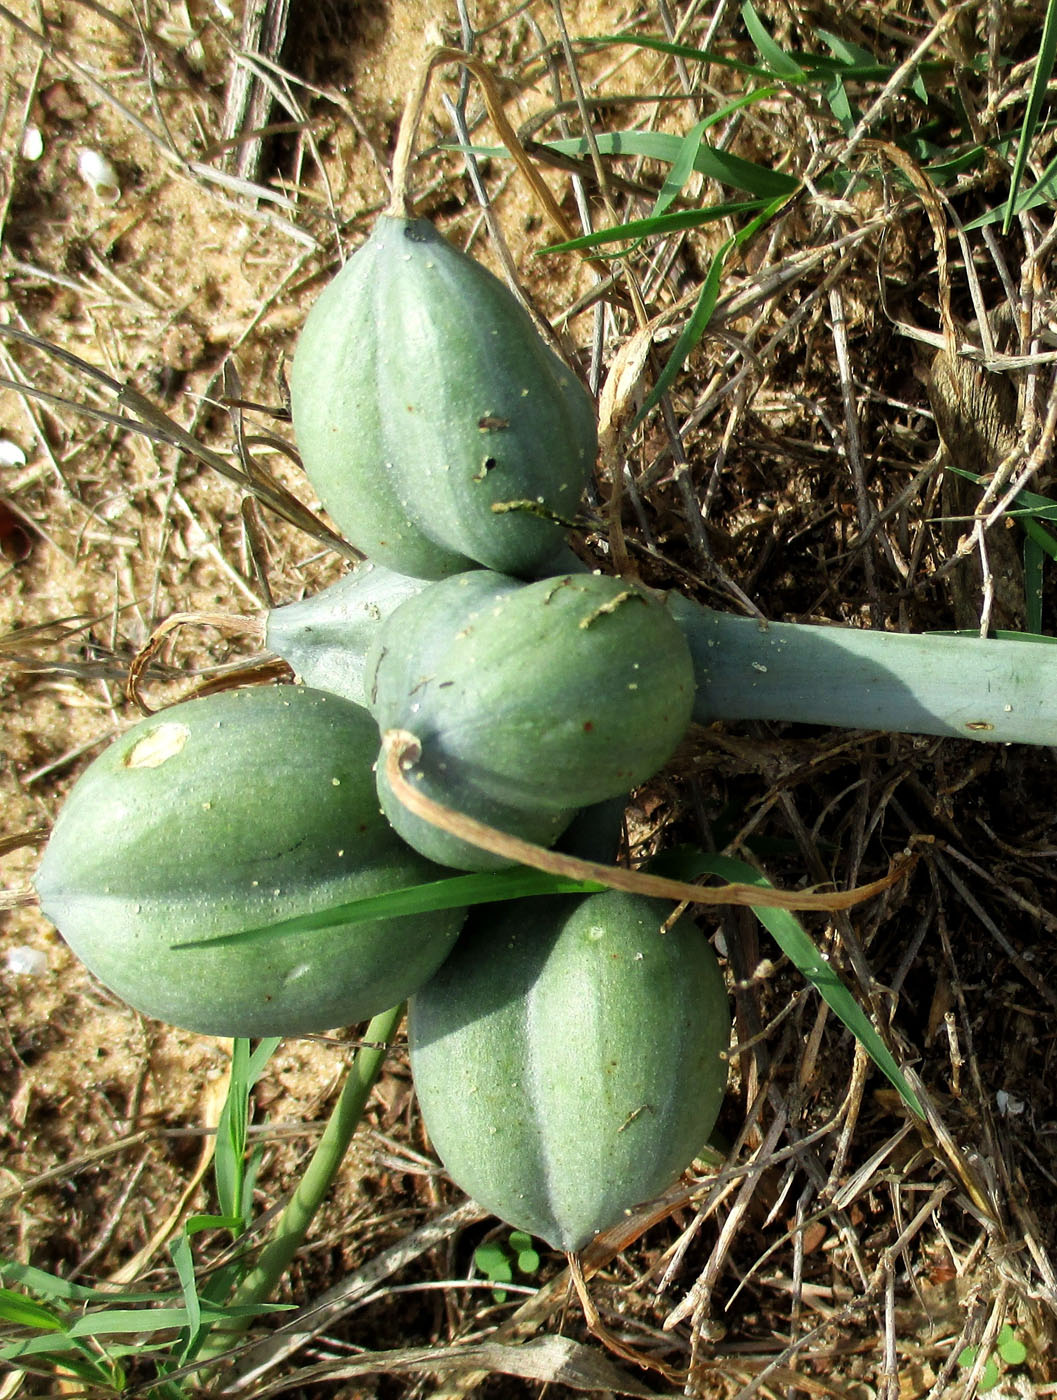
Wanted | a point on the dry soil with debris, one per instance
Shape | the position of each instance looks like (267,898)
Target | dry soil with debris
(877,1250)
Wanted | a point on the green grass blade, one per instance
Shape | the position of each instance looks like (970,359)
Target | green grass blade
(852,56)
(1043,191)
(229,1164)
(316,1180)
(20,1311)
(145,1321)
(180,1249)
(1039,83)
(722,166)
(839,103)
(231,1133)
(787,932)
(47,1285)
(691,333)
(943,172)
(70,1353)
(637,229)
(682,167)
(758,180)
(1034,568)
(775,57)
(1026,505)
(195,1224)
(699,319)
(450,893)
(687,51)
(1039,535)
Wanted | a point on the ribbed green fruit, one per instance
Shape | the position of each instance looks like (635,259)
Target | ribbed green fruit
(437,426)
(529,700)
(567,1059)
(225,814)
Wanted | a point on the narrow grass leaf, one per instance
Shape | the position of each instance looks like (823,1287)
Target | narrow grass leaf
(51,1286)
(1039,83)
(788,933)
(943,172)
(195,1224)
(229,1166)
(1039,535)
(253,1166)
(450,893)
(790,936)
(21,1311)
(687,51)
(690,334)
(62,1345)
(1043,191)
(839,103)
(758,180)
(1025,504)
(852,56)
(682,167)
(772,53)
(717,165)
(180,1250)
(813,67)
(1034,567)
(702,313)
(145,1321)
(637,229)
(231,1133)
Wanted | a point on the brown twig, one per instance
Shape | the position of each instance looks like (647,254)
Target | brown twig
(402,752)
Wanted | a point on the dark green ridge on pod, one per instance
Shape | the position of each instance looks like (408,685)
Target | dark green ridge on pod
(529,700)
(423,397)
(224,814)
(567,1059)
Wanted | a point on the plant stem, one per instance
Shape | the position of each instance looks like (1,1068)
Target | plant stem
(966,687)
(261,1281)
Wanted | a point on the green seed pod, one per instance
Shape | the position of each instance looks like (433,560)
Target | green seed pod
(231,813)
(568,1059)
(529,700)
(438,428)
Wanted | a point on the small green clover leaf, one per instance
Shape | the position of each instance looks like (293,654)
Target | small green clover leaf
(498,1259)
(528,1261)
(1012,1351)
(989,1379)
(493,1260)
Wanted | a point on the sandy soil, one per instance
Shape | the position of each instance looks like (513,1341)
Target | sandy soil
(185,280)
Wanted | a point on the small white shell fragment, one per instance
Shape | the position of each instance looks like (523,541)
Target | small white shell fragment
(32,143)
(97,172)
(24,961)
(11,455)
(1008,1106)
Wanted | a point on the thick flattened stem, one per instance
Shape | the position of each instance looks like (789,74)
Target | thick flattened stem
(959,687)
